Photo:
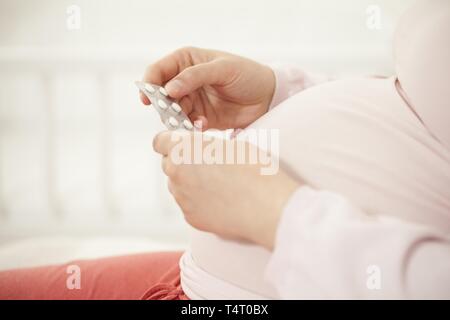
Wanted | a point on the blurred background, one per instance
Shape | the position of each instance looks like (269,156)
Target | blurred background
(78,177)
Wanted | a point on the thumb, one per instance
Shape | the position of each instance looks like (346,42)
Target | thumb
(192,78)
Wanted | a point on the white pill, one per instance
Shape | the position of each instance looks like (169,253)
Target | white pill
(176,107)
(187,124)
(149,88)
(173,122)
(162,104)
(163,91)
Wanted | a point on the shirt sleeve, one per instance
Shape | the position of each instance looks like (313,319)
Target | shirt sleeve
(327,248)
(290,80)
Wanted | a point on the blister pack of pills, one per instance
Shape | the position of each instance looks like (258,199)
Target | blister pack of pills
(169,111)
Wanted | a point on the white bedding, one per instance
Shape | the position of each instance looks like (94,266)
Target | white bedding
(53,250)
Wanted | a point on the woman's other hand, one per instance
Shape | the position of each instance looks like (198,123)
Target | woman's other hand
(232,200)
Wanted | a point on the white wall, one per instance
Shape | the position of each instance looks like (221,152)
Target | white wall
(75,144)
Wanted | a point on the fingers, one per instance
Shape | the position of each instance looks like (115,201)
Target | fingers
(166,140)
(194,77)
(187,104)
(144,98)
(162,143)
(161,71)
(200,122)
(164,69)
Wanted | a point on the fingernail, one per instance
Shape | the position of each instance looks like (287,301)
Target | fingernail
(174,86)
(198,124)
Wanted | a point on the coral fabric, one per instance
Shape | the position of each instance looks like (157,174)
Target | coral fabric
(141,276)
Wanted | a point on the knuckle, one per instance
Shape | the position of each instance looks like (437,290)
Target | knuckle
(184,55)
(180,53)
(189,49)
(228,66)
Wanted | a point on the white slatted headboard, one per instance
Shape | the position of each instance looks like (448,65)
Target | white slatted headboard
(75,149)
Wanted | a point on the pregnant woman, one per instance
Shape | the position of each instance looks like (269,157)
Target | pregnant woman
(360,207)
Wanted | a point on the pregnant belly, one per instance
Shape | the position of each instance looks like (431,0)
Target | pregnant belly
(237,263)
(354,137)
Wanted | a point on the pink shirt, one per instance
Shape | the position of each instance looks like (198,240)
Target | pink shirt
(373,220)
(384,202)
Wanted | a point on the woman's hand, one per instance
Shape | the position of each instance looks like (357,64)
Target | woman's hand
(220,89)
(231,200)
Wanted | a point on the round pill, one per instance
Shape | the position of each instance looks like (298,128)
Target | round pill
(149,88)
(163,91)
(187,124)
(162,104)
(176,107)
(173,122)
